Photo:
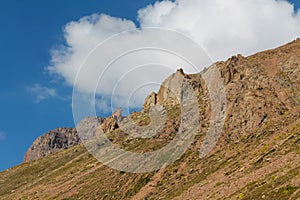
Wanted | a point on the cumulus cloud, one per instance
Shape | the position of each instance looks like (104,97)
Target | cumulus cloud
(222,28)
(227,27)
(2,136)
(42,92)
(81,37)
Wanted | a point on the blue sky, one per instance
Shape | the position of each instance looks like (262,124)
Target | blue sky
(29,106)
(29,29)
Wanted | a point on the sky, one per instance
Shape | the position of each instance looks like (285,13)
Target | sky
(42,44)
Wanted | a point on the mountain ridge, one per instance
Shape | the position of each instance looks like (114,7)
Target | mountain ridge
(257,155)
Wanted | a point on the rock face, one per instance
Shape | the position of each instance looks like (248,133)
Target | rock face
(171,90)
(113,122)
(260,88)
(62,138)
(86,129)
(150,101)
(51,142)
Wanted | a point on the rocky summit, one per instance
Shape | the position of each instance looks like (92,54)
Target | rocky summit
(59,139)
(256,156)
(51,142)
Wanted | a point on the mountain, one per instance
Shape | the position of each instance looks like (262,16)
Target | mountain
(257,155)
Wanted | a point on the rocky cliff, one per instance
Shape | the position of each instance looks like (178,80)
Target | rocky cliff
(59,139)
(51,142)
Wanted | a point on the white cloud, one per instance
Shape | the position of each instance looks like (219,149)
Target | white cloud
(2,136)
(42,92)
(227,27)
(223,28)
(81,37)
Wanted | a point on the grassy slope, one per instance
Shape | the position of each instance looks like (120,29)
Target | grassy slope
(264,165)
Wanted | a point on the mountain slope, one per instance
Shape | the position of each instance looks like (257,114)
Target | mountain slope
(256,157)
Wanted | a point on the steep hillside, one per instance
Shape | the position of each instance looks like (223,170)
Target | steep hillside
(256,157)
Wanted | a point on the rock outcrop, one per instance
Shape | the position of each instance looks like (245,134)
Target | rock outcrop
(171,90)
(51,142)
(86,129)
(113,122)
(62,138)
(150,101)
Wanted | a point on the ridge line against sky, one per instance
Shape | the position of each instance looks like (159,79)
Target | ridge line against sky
(33,101)
(222,28)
